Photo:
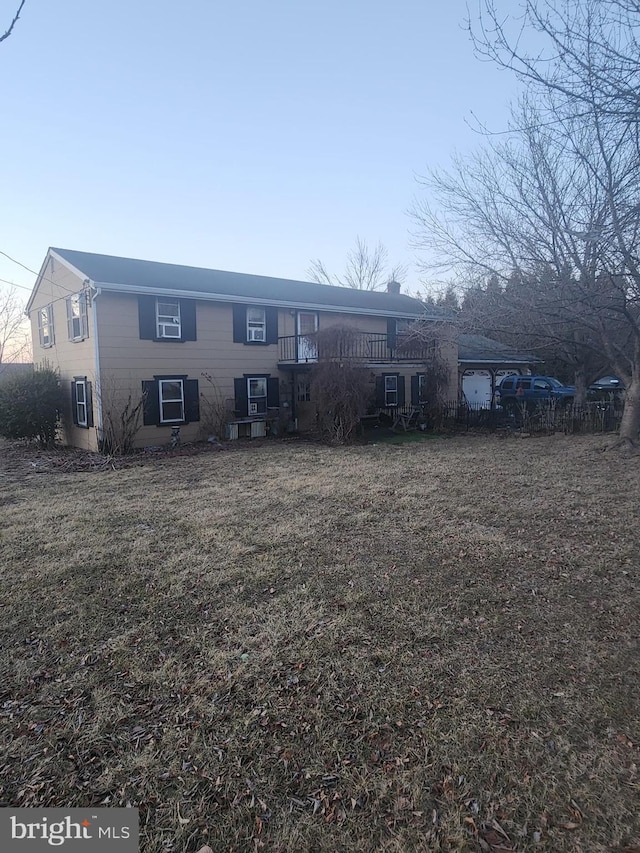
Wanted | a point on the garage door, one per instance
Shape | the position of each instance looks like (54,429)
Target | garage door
(476,388)
(500,374)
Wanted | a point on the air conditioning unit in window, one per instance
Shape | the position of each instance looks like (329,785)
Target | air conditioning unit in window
(253,408)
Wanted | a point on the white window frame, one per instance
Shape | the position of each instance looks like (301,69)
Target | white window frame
(81,405)
(77,324)
(166,321)
(390,389)
(254,400)
(422,387)
(162,401)
(45,326)
(303,389)
(257,328)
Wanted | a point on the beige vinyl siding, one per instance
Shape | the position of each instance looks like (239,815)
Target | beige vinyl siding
(68,357)
(126,361)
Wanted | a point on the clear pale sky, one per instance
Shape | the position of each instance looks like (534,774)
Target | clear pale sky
(247,136)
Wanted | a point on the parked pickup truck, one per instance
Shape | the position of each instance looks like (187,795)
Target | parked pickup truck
(532,389)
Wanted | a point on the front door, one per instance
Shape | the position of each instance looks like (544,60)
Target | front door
(307,343)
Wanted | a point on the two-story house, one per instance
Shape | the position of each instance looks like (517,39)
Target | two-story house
(125,329)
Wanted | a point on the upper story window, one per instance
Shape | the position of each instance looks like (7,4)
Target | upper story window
(168,323)
(45,326)
(256,325)
(77,324)
(167,318)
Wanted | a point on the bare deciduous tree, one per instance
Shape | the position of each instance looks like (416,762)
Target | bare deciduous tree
(580,50)
(13,22)
(558,200)
(14,331)
(365,269)
(339,385)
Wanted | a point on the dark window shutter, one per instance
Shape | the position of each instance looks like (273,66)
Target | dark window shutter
(147,317)
(273,392)
(74,401)
(188,319)
(391,333)
(151,411)
(239,324)
(191,400)
(415,390)
(240,393)
(400,390)
(271,316)
(89,397)
(380,401)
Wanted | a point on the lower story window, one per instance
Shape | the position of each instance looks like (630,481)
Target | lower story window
(422,387)
(391,390)
(171,394)
(170,400)
(303,393)
(257,395)
(81,403)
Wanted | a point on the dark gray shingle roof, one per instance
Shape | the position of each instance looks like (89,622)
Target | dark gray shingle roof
(481,348)
(138,274)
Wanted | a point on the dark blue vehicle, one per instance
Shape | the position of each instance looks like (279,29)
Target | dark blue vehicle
(529,390)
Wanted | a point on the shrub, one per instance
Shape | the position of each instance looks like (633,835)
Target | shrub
(121,424)
(214,412)
(30,406)
(342,390)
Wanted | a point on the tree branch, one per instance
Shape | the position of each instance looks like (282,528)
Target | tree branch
(13,23)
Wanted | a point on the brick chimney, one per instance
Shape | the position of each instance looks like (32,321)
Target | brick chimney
(393,286)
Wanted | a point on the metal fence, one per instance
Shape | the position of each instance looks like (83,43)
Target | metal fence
(543,418)
(359,346)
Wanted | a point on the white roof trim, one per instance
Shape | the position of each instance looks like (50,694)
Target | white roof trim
(251,300)
(51,254)
(69,266)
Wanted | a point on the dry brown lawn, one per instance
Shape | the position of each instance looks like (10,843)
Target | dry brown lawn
(431,646)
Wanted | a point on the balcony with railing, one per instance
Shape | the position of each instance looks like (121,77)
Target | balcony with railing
(373,347)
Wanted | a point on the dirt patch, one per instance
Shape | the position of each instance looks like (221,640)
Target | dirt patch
(429,646)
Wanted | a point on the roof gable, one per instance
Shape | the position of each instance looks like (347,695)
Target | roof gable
(112,272)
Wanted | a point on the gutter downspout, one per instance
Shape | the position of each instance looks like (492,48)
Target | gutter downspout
(95,291)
